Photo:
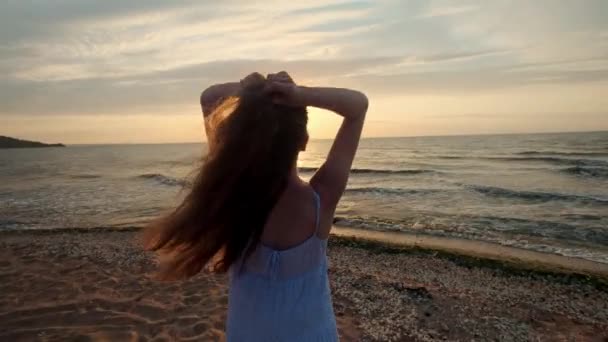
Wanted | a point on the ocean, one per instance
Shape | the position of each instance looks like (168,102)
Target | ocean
(544,192)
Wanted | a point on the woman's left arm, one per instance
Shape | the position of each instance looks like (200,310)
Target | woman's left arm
(214,95)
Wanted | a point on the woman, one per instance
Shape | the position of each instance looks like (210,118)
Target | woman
(249,213)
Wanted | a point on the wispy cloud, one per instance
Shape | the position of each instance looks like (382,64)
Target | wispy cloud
(447,10)
(332,7)
(137,56)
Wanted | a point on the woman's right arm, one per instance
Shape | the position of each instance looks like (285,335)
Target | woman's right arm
(332,176)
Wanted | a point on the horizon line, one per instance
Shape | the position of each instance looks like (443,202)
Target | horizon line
(362,138)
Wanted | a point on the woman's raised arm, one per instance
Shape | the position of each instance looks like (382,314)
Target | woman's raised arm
(215,94)
(331,178)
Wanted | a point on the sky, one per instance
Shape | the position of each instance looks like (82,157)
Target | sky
(82,71)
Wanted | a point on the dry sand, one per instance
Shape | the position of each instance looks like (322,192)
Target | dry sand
(67,286)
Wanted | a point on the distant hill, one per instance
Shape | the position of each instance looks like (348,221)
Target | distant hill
(8,142)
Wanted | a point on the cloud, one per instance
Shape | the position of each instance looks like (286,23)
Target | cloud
(332,7)
(447,10)
(463,82)
(179,87)
(138,56)
(149,90)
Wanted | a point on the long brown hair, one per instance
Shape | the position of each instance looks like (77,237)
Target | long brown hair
(254,143)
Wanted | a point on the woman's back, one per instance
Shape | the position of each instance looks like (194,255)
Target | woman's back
(249,213)
(293,218)
(282,294)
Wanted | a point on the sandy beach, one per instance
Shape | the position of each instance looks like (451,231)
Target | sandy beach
(96,286)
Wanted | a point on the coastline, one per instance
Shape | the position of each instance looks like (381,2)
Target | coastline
(507,256)
(483,252)
(96,285)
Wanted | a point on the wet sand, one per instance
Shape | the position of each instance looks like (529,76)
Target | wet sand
(95,286)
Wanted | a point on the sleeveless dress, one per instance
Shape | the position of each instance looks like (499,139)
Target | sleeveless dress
(282,295)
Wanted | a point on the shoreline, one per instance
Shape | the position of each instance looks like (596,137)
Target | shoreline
(501,256)
(58,285)
(510,256)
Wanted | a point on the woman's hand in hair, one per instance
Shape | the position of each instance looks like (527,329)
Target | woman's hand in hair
(285,93)
(281,76)
(253,80)
(283,89)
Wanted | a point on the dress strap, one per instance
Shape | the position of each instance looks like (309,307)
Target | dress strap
(317,210)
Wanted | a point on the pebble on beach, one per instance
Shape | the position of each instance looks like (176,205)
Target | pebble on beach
(98,285)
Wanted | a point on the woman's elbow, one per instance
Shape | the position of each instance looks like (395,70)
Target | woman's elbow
(361,103)
(207,96)
(208,100)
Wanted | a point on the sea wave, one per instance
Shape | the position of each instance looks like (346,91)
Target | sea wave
(391,191)
(478,227)
(591,172)
(448,157)
(558,153)
(552,160)
(377,171)
(307,169)
(555,158)
(9,224)
(541,236)
(85,176)
(497,192)
(165,180)
(188,162)
(533,196)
